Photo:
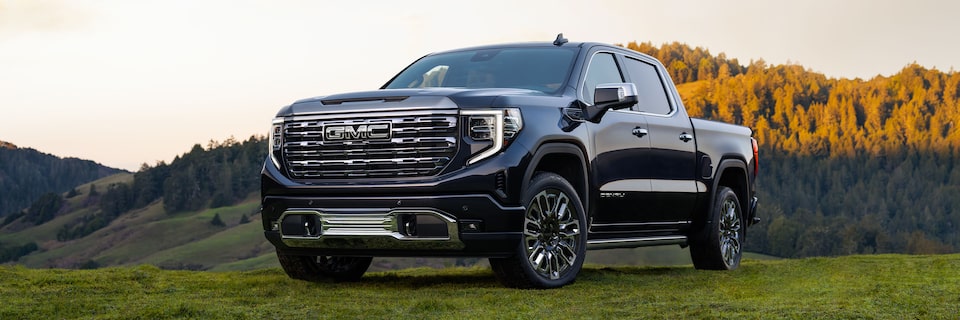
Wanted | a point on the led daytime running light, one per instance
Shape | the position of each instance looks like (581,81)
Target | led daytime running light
(496,136)
(276,140)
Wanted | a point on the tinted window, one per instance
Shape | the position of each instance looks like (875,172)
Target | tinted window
(603,69)
(542,69)
(650,91)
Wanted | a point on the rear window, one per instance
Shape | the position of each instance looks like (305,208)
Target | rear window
(650,90)
(541,69)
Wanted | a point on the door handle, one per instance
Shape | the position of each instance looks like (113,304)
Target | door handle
(686,137)
(639,132)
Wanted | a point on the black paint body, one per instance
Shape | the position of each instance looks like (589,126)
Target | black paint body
(636,174)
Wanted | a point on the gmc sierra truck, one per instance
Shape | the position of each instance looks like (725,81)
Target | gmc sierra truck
(526,154)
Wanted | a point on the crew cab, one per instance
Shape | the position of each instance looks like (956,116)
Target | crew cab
(527,154)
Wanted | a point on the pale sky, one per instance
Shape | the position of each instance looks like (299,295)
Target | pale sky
(124,82)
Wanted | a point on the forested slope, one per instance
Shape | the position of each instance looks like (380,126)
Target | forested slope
(847,165)
(27,174)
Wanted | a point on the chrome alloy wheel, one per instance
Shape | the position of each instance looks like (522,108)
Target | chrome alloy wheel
(730,232)
(551,233)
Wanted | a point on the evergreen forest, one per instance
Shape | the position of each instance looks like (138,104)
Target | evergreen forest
(846,165)
(27,174)
(221,174)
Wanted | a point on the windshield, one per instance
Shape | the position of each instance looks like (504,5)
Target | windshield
(541,69)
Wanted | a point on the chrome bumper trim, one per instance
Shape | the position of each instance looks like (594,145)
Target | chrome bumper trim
(371,229)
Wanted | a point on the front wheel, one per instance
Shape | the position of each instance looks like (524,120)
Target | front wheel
(554,241)
(318,268)
(718,246)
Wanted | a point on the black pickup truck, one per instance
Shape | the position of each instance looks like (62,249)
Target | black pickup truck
(527,154)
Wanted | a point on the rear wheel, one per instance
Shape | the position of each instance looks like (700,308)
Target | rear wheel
(554,241)
(318,268)
(718,246)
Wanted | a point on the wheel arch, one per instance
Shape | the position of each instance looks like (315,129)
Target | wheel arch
(732,173)
(565,159)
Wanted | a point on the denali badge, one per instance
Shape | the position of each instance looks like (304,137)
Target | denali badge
(371,131)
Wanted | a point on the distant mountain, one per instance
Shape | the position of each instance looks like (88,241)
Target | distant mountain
(198,212)
(27,174)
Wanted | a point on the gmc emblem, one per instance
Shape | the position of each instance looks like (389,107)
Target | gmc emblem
(371,131)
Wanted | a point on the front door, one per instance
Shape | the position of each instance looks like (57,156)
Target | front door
(622,148)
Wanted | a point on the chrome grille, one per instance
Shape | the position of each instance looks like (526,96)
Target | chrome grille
(421,143)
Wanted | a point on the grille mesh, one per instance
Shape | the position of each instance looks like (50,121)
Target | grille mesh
(421,144)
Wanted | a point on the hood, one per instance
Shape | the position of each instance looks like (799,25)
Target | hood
(403,99)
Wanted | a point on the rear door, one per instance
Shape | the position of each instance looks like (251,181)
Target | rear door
(672,171)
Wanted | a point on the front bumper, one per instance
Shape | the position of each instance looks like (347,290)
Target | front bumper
(465,211)
(450,225)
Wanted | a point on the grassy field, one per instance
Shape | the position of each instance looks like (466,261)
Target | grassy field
(882,286)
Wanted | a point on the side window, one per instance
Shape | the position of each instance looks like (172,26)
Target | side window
(602,69)
(650,91)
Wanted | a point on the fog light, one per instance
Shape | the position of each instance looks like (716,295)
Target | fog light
(300,225)
(471,225)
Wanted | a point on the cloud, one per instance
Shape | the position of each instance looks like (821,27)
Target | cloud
(28,16)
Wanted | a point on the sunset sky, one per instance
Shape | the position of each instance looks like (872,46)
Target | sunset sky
(128,82)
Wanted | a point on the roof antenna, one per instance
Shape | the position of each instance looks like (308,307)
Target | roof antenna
(560,40)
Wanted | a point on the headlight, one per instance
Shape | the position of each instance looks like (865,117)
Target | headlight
(497,126)
(276,141)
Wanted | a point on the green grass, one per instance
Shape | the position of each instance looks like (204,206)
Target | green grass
(264,261)
(235,243)
(171,232)
(883,286)
(652,256)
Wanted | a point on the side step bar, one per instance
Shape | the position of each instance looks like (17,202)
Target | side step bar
(635,242)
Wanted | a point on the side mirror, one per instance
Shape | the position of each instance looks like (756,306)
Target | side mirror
(610,96)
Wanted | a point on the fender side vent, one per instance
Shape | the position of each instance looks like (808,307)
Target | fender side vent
(501,183)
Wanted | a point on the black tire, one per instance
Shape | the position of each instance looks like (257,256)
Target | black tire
(315,269)
(719,244)
(554,241)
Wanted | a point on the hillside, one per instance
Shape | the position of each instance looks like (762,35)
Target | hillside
(27,174)
(846,165)
(148,235)
(861,287)
(186,240)
(197,212)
